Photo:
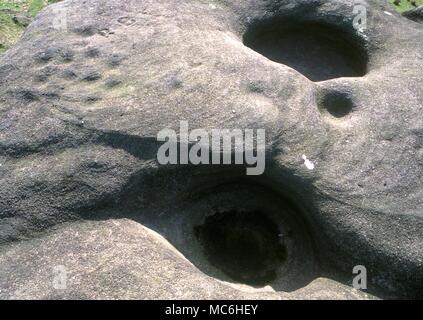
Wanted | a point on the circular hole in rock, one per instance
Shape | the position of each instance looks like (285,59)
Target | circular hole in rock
(318,51)
(338,104)
(244,245)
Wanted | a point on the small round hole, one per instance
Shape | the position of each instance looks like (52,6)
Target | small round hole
(338,104)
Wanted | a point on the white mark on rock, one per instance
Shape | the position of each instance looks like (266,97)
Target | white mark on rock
(388,13)
(212,6)
(308,163)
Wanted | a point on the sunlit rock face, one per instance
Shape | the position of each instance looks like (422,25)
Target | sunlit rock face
(89,86)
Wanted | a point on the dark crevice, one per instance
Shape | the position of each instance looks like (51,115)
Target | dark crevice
(246,246)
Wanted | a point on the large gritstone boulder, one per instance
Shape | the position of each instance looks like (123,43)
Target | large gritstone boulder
(88,211)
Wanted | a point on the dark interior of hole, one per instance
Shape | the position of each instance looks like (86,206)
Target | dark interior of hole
(317,51)
(338,104)
(246,246)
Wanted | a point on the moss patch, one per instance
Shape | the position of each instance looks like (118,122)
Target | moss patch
(10,31)
(405,5)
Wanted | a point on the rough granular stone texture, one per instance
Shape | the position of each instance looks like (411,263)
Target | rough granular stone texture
(82,103)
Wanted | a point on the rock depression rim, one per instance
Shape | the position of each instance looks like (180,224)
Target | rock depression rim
(319,50)
(247,234)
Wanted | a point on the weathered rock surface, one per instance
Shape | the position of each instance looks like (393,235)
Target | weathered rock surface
(134,263)
(81,108)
